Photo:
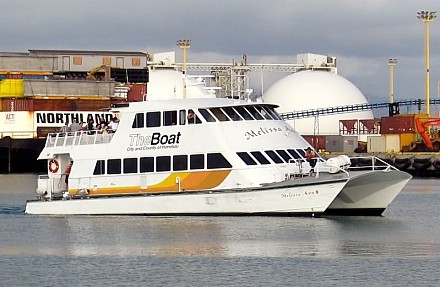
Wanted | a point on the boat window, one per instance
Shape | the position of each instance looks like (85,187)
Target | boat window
(284,155)
(273,156)
(232,113)
(193,118)
(146,164)
(254,113)
(246,158)
(180,162)
(182,117)
(293,153)
(163,163)
(153,119)
(139,121)
(243,113)
(207,115)
(130,165)
(216,160)
(169,118)
(260,157)
(197,161)
(263,112)
(219,114)
(273,113)
(114,166)
(99,167)
(301,152)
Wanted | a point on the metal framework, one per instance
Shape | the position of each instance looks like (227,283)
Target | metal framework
(353,108)
(233,78)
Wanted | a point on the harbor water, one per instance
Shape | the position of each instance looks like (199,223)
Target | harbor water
(402,248)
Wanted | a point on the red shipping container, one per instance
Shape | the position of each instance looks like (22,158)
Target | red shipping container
(397,124)
(137,92)
(317,142)
(17,105)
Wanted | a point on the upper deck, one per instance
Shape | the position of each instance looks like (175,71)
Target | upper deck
(149,115)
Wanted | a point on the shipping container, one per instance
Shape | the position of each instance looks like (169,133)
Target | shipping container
(71,105)
(137,92)
(392,143)
(406,141)
(12,88)
(397,124)
(317,142)
(376,144)
(11,105)
(338,143)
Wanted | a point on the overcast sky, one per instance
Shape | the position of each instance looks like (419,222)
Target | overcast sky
(363,35)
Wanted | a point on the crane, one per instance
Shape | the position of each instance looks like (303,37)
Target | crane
(431,142)
(91,75)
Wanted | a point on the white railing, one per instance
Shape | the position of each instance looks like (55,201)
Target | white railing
(77,138)
(371,163)
(345,164)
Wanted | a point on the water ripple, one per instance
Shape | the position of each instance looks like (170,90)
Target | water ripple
(8,209)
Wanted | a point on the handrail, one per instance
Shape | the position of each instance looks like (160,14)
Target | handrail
(77,138)
(374,166)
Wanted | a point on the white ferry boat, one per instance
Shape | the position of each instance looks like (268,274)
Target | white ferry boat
(201,157)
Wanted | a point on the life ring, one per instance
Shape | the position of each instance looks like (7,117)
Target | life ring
(54,166)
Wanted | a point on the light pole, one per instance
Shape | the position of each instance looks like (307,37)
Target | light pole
(427,17)
(184,45)
(392,63)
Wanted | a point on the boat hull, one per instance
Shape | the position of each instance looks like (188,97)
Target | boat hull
(295,199)
(368,193)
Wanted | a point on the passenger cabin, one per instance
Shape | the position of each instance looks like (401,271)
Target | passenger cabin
(190,139)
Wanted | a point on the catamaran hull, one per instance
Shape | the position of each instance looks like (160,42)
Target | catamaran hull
(307,199)
(368,193)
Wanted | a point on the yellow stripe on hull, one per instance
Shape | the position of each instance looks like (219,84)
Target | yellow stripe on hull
(189,181)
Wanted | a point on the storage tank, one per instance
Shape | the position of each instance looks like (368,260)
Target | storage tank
(167,83)
(312,89)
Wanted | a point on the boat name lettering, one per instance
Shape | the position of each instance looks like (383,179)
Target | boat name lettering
(298,194)
(154,141)
(60,118)
(290,194)
(261,131)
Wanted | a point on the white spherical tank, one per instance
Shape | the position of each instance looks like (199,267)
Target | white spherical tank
(308,90)
(167,84)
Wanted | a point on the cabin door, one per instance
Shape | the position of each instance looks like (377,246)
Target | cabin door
(66,63)
(120,62)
